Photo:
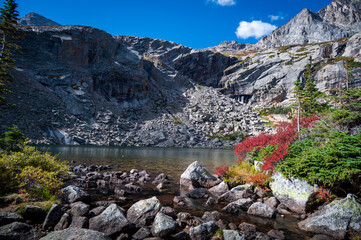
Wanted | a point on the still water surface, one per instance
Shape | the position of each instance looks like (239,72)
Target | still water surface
(172,162)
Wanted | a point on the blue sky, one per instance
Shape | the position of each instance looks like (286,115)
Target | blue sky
(193,23)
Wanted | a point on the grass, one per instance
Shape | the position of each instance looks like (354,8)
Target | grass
(290,62)
(271,56)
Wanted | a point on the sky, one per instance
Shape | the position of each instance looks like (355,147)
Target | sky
(193,23)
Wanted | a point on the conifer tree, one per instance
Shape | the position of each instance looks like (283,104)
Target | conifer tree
(310,94)
(8,32)
(297,91)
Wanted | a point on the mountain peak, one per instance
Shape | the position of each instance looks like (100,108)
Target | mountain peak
(35,19)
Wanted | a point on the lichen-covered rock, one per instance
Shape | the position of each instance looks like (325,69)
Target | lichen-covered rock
(233,235)
(335,218)
(238,206)
(242,191)
(75,233)
(73,193)
(293,193)
(204,231)
(220,188)
(163,225)
(111,221)
(17,231)
(261,210)
(143,212)
(197,176)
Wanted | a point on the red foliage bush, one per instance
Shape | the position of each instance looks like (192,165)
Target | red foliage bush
(285,135)
(323,195)
(220,171)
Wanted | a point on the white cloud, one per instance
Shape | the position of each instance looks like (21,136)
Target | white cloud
(276,17)
(224,2)
(254,29)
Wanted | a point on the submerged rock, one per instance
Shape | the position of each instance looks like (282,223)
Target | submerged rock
(335,218)
(143,212)
(75,233)
(197,176)
(293,193)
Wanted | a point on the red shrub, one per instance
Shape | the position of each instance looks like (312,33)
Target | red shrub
(220,171)
(285,135)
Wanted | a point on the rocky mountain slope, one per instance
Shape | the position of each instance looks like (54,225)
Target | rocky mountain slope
(81,85)
(35,19)
(342,18)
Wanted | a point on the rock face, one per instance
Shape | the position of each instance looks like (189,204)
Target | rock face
(133,91)
(76,233)
(163,225)
(143,212)
(111,221)
(196,175)
(34,19)
(293,193)
(339,19)
(335,218)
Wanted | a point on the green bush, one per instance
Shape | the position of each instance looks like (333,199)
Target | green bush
(13,140)
(328,163)
(39,173)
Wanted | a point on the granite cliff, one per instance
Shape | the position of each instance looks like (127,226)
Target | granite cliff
(81,85)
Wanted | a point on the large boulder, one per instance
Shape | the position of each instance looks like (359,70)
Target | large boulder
(111,221)
(293,193)
(242,191)
(17,231)
(204,231)
(8,217)
(75,233)
(143,212)
(72,194)
(197,176)
(53,217)
(163,225)
(261,210)
(335,218)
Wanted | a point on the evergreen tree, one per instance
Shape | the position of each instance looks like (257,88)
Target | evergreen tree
(310,94)
(8,32)
(297,91)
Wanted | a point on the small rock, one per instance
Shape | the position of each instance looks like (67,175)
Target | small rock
(163,225)
(64,222)
(198,176)
(142,233)
(197,193)
(72,194)
(143,212)
(261,210)
(79,209)
(233,235)
(276,234)
(79,222)
(53,217)
(204,231)
(7,217)
(211,201)
(76,233)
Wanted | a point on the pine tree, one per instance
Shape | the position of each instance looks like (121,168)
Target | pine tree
(297,91)
(310,94)
(8,32)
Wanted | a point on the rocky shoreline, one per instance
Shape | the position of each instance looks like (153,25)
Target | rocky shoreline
(83,214)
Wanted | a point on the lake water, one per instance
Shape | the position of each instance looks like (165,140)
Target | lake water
(172,162)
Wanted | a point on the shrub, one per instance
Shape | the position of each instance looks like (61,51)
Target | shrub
(221,171)
(328,162)
(31,168)
(285,135)
(13,140)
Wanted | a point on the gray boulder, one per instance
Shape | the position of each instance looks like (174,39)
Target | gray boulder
(34,214)
(238,206)
(8,217)
(204,231)
(197,176)
(220,188)
(53,217)
(75,233)
(233,235)
(335,218)
(163,225)
(79,222)
(72,194)
(111,221)
(261,210)
(293,193)
(143,212)
(16,231)
(141,233)
(242,191)
(79,209)
(64,222)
